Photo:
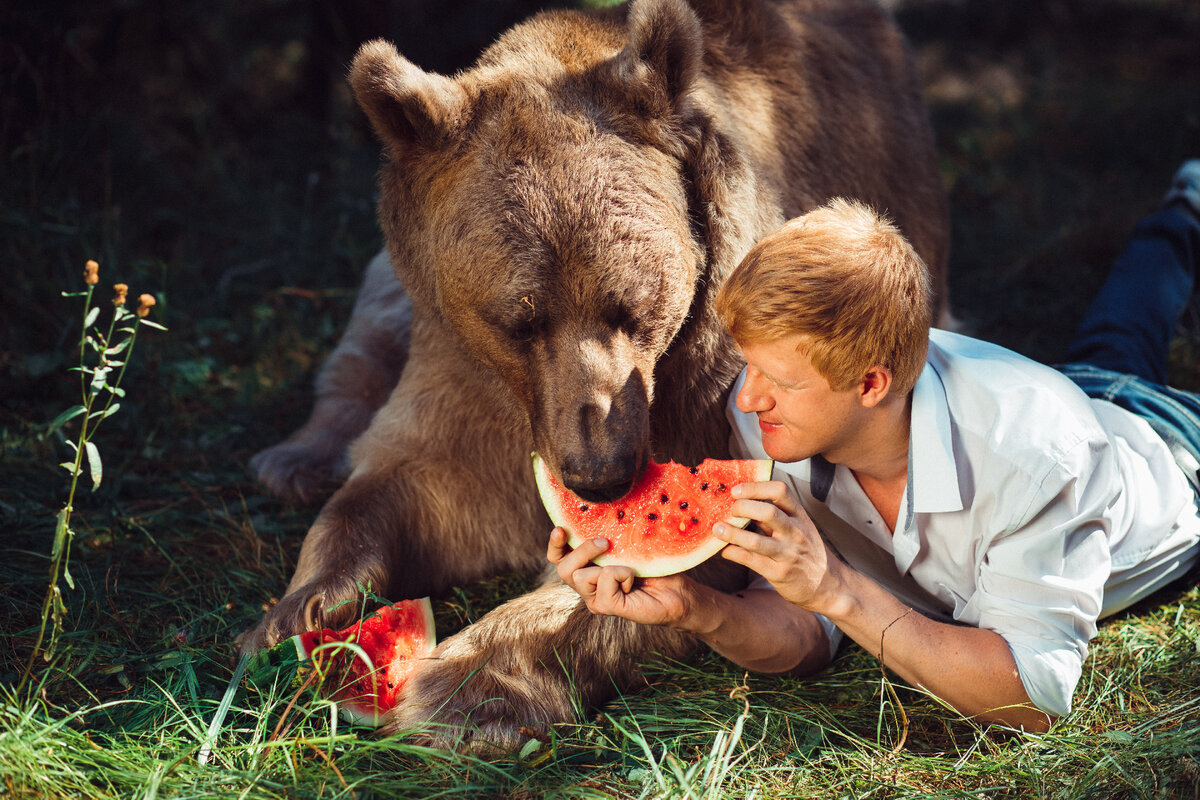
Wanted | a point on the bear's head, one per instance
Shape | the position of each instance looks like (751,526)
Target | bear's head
(564,208)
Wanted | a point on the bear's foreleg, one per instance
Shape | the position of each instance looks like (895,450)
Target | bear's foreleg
(534,661)
(353,383)
(442,493)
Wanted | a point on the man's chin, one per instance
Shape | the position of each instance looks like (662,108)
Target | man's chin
(781,452)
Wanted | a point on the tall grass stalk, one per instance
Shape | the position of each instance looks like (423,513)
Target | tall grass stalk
(103,357)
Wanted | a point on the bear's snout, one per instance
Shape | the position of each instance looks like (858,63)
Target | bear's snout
(600,481)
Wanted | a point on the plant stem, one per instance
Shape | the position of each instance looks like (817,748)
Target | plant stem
(63,535)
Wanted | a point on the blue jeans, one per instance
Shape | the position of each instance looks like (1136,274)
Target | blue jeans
(1120,351)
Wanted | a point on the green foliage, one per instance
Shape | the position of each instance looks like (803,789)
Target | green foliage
(103,356)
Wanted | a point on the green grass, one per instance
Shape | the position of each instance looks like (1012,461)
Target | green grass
(209,155)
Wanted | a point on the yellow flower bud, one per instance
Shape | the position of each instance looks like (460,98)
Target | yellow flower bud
(145,303)
(121,290)
(91,273)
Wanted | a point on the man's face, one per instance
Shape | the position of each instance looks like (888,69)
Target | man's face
(799,415)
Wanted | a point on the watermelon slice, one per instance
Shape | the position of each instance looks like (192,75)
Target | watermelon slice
(663,525)
(393,639)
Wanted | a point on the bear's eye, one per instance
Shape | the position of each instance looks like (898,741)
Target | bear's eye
(619,317)
(523,330)
(627,320)
(519,321)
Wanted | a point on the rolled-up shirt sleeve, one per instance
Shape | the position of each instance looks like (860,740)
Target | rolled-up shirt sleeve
(1041,583)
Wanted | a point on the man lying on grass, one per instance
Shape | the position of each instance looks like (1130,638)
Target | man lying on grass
(961,512)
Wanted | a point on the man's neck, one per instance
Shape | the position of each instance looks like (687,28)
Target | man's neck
(882,472)
(880,450)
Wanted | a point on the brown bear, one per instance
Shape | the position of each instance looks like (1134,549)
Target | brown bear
(559,218)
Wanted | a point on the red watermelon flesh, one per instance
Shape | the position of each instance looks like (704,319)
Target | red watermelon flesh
(394,640)
(663,525)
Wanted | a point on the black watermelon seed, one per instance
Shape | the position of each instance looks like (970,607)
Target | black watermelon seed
(704,486)
(693,470)
(662,498)
(652,516)
(683,504)
(695,521)
(720,487)
(620,515)
(584,507)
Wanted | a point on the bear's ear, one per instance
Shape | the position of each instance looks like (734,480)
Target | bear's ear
(663,56)
(405,104)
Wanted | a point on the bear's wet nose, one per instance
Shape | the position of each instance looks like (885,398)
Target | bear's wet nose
(604,494)
(602,480)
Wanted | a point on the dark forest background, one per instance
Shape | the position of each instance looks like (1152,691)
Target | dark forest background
(211,152)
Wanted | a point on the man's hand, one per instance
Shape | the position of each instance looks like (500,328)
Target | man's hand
(789,552)
(757,628)
(970,668)
(616,591)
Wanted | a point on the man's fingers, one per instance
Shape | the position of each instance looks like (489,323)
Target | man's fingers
(574,560)
(755,562)
(776,493)
(746,539)
(557,547)
(769,517)
(613,584)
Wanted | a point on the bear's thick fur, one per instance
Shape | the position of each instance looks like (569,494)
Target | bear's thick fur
(560,217)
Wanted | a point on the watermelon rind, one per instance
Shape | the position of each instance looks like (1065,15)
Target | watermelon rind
(661,565)
(364,712)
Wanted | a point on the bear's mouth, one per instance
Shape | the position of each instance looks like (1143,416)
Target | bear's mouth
(605,494)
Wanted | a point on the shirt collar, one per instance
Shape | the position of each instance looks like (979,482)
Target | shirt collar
(932,472)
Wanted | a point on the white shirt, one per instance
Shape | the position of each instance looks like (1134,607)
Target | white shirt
(1030,509)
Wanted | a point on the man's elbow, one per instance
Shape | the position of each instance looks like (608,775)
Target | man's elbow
(1026,718)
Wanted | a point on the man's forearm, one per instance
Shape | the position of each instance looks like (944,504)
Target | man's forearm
(757,629)
(970,668)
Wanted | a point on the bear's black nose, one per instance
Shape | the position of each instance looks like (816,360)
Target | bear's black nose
(605,494)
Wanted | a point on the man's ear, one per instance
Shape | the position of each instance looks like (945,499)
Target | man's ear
(875,386)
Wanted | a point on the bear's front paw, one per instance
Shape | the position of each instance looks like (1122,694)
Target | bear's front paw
(316,605)
(302,469)
(463,702)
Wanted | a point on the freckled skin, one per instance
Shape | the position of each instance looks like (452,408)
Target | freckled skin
(559,218)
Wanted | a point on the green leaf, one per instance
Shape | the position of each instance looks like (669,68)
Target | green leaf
(67,577)
(118,347)
(69,466)
(91,317)
(60,534)
(105,413)
(117,390)
(150,324)
(93,454)
(100,378)
(65,417)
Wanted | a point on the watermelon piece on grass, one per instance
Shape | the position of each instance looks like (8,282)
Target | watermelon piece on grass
(663,525)
(393,640)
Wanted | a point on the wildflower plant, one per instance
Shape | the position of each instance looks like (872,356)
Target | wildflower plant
(104,353)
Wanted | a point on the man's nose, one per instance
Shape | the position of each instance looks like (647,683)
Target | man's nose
(750,397)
